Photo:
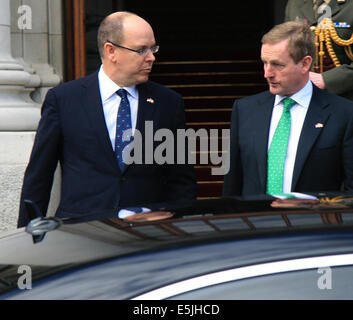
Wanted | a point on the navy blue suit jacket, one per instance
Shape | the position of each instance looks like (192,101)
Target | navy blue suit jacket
(324,159)
(72,130)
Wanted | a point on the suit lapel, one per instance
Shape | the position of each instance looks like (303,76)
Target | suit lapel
(262,124)
(146,106)
(94,108)
(317,114)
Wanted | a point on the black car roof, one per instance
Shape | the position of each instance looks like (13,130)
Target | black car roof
(74,243)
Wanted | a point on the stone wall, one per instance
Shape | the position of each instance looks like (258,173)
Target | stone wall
(14,153)
(31,62)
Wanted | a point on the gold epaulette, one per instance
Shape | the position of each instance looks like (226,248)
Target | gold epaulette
(325,32)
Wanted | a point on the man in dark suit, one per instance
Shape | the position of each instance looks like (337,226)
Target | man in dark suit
(79,128)
(317,152)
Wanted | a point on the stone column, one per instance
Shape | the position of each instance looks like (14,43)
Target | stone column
(19,116)
(17,110)
(38,44)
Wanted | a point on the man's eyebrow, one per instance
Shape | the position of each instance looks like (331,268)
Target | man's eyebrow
(276,61)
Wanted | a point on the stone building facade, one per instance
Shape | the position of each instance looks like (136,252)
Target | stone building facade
(31,62)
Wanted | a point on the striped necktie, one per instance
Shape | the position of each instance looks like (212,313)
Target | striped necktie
(278,150)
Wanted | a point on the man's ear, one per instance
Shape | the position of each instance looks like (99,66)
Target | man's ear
(109,52)
(306,63)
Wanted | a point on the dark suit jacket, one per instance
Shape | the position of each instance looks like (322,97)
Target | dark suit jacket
(324,156)
(72,130)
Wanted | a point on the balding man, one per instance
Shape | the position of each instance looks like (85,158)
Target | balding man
(83,124)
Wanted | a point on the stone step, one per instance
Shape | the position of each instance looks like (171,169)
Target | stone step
(218,89)
(209,188)
(210,101)
(208,114)
(170,78)
(207,66)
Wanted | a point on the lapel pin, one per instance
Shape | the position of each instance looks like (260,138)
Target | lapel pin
(319,125)
(150,100)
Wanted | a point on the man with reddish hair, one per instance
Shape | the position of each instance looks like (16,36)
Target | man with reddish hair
(294,137)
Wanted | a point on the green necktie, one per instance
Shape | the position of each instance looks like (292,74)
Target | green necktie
(278,150)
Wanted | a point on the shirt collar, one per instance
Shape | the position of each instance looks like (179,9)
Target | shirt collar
(302,97)
(108,87)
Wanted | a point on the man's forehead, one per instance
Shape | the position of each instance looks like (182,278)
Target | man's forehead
(283,44)
(275,50)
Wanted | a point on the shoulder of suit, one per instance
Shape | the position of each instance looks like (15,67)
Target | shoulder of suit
(335,100)
(76,83)
(73,86)
(159,89)
(262,96)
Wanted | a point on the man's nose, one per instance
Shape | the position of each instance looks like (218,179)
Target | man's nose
(268,72)
(150,56)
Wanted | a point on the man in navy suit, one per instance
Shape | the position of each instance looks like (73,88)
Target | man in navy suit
(78,129)
(319,154)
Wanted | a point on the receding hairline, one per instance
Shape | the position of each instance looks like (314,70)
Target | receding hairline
(115,20)
(120,15)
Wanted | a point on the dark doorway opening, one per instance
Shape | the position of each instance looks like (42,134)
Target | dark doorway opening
(190,29)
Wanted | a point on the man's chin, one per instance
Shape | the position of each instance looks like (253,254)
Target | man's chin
(142,79)
(275,89)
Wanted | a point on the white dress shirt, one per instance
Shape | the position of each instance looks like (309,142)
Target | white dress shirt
(111,102)
(298,113)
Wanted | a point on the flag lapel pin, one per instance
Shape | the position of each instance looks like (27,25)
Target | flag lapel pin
(319,125)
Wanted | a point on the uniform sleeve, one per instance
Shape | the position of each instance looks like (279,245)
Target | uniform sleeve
(340,80)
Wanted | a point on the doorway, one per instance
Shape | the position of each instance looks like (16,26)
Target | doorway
(187,29)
